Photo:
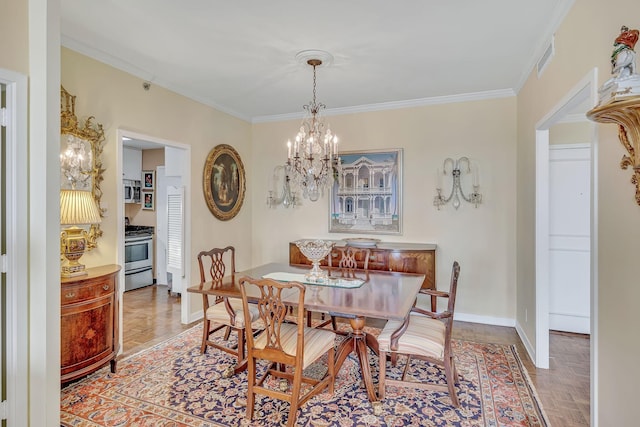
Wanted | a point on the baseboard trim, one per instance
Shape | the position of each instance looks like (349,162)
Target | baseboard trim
(196,316)
(487,320)
(531,351)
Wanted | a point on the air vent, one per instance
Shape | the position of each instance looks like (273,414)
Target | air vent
(546,57)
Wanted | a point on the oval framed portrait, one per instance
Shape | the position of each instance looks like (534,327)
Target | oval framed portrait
(224,182)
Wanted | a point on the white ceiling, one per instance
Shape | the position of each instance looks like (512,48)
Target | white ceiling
(239,56)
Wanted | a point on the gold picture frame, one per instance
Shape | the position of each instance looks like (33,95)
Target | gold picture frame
(224,182)
(89,136)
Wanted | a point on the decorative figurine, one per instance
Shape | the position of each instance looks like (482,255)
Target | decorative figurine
(623,58)
(624,81)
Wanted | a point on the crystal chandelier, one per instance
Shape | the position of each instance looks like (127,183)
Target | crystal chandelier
(312,159)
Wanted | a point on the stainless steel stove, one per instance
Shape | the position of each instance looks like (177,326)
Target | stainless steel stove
(138,250)
(138,230)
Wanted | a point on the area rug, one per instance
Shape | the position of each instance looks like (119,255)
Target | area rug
(173,385)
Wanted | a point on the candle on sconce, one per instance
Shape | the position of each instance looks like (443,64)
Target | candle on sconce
(288,149)
(474,171)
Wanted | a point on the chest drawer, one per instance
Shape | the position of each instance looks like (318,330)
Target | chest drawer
(89,325)
(86,290)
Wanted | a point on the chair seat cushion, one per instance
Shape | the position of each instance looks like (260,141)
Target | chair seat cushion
(316,342)
(219,314)
(424,336)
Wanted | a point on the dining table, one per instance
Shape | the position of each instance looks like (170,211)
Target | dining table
(373,294)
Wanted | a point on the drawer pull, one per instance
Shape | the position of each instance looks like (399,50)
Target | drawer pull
(70,295)
(105,287)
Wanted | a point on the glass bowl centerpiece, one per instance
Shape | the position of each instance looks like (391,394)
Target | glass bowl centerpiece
(315,251)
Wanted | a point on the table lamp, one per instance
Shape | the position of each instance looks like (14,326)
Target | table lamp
(77,207)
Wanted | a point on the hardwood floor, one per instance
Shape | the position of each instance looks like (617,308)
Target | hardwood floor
(151,315)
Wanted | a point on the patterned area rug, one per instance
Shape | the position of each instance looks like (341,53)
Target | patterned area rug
(172,384)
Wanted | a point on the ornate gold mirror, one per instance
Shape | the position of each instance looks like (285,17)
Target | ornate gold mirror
(80,157)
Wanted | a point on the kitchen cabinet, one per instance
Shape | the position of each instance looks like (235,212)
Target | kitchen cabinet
(388,256)
(131,164)
(89,322)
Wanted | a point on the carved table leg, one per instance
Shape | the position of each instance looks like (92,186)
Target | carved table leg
(358,342)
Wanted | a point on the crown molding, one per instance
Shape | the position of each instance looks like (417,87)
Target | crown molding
(394,105)
(146,76)
(553,24)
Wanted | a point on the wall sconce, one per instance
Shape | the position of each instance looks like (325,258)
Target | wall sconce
(286,197)
(454,168)
(77,207)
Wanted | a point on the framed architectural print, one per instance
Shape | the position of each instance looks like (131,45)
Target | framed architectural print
(366,197)
(148,180)
(224,182)
(148,201)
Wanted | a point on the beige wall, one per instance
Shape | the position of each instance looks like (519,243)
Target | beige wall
(584,41)
(571,133)
(482,239)
(14,36)
(118,100)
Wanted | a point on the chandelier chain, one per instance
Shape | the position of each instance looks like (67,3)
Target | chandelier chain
(314,89)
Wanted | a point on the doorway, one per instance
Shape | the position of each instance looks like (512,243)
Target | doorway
(569,232)
(178,163)
(575,104)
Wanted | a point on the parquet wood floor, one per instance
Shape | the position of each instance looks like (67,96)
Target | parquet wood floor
(151,316)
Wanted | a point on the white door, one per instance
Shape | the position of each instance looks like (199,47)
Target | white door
(3,224)
(175,237)
(163,182)
(569,237)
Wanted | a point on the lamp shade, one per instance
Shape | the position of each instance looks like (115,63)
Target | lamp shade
(78,207)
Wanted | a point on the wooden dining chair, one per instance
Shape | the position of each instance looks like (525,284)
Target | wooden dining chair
(422,335)
(347,260)
(284,345)
(222,312)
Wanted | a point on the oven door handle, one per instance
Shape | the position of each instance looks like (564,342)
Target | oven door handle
(136,270)
(137,239)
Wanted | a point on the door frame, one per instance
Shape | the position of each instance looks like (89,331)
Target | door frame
(585,91)
(16,226)
(122,133)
